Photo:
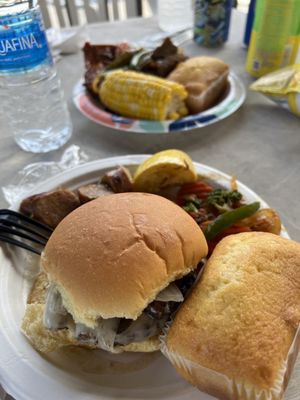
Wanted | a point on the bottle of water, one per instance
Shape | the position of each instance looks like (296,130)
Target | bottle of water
(31,94)
(175,15)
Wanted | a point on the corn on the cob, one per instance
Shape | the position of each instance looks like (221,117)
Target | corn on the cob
(138,95)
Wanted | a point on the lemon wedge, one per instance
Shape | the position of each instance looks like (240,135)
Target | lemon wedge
(163,169)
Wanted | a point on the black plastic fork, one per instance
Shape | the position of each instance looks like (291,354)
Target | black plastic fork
(22,231)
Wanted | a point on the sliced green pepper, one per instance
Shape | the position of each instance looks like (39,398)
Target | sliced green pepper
(123,60)
(190,207)
(138,59)
(229,218)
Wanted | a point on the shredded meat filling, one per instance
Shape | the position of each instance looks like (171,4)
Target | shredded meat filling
(119,331)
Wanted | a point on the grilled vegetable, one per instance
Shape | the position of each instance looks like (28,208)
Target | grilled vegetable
(138,95)
(139,59)
(224,200)
(123,60)
(264,220)
(228,219)
(170,293)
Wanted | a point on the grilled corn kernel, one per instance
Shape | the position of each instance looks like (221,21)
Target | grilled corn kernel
(138,95)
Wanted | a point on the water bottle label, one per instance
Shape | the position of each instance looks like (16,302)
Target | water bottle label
(23,42)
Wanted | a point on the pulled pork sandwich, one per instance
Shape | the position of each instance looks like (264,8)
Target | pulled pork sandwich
(112,273)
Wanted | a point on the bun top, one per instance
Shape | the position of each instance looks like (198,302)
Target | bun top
(199,71)
(113,255)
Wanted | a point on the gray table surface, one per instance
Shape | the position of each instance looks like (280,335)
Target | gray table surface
(260,143)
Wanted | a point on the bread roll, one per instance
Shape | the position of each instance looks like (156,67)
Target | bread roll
(205,79)
(236,336)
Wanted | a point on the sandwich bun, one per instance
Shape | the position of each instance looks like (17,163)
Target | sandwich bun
(110,258)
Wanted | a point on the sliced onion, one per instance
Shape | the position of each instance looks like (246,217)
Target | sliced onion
(85,335)
(103,336)
(170,293)
(106,333)
(55,314)
(139,330)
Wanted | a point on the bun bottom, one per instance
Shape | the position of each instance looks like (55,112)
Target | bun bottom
(46,341)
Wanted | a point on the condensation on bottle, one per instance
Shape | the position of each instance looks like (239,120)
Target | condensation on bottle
(33,101)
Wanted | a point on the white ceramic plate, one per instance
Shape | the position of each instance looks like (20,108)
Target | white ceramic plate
(92,109)
(79,374)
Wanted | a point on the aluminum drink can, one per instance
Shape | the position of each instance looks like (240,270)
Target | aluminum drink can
(212,20)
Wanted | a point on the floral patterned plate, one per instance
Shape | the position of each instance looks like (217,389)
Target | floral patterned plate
(93,110)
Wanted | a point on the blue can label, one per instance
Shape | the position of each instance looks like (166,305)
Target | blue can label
(23,42)
(212,19)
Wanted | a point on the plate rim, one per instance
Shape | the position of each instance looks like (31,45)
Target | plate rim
(236,83)
(76,172)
